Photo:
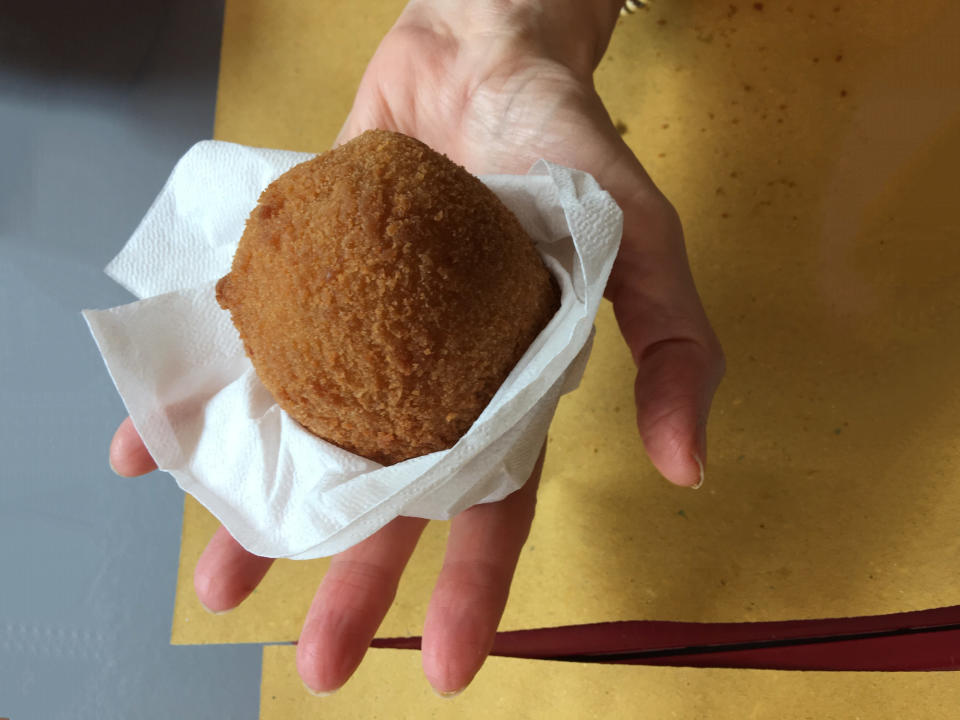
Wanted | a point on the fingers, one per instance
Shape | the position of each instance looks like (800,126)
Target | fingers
(350,603)
(471,590)
(128,455)
(226,573)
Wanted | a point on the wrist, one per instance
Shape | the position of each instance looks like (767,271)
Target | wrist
(573,33)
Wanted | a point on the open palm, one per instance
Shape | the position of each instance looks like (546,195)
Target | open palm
(495,104)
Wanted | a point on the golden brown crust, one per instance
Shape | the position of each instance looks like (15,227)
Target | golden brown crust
(383,295)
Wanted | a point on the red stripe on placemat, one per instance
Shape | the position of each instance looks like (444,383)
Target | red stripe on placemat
(933,650)
(920,640)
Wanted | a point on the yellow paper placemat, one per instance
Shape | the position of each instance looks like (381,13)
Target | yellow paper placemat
(390,684)
(811,154)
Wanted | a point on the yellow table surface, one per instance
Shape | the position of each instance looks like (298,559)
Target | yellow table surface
(390,684)
(811,152)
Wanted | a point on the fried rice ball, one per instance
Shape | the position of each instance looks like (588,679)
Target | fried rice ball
(383,294)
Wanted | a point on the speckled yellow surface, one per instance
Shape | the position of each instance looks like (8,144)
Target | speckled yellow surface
(811,154)
(390,685)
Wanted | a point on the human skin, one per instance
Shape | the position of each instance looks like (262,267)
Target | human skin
(495,85)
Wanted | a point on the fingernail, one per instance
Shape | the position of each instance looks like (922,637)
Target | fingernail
(319,693)
(448,694)
(699,483)
(213,612)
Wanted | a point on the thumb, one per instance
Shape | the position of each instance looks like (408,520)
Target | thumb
(678,357)
(676,379)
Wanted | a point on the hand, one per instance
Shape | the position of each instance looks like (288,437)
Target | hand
(495,88)
(483,547)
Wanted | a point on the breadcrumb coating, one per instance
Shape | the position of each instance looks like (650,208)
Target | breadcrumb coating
(383,294)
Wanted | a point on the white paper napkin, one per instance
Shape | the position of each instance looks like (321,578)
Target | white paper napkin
(194,397)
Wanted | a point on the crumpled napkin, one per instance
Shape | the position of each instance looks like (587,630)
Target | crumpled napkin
(195,399)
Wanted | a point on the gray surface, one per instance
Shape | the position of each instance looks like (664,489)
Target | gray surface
(97,101)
